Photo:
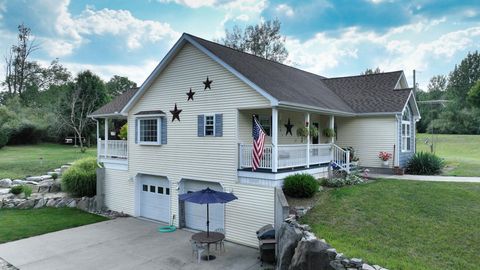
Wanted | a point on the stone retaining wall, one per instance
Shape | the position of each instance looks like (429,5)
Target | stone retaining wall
(299,249)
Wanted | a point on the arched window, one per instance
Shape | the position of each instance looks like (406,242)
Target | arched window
(406,130)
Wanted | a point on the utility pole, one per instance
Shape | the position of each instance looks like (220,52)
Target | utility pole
(414,83)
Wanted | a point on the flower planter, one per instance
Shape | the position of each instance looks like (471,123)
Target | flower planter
(385,163)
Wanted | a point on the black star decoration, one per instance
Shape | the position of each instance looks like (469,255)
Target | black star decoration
(289,127)
(207,84)
(190,95)
(175,113)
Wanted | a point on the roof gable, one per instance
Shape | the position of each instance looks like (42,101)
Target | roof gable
(115,106)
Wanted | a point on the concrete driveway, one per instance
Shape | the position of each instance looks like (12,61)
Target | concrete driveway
(124,243)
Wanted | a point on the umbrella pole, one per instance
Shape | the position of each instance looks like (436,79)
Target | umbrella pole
(208,222)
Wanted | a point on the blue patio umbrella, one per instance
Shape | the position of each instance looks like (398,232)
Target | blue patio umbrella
(208,196)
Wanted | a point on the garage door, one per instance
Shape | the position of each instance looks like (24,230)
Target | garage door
(155,198)
(196,214)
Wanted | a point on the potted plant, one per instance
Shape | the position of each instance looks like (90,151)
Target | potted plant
(302,132)
(329,132)
(385,157)
(313,132)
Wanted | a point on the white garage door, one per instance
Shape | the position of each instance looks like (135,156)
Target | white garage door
(196,214)
(155,198)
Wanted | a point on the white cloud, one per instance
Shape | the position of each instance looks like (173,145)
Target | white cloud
(191,3)
(285,9)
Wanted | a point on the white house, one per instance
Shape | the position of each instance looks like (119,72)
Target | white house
(210,143)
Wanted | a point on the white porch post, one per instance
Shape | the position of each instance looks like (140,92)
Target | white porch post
(307,122)
(106,137)
(274,134)
(98,139)
(332,126)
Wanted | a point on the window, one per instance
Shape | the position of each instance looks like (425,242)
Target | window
(148,131)
(160,190)
(152,189)
(167,191)
(265,122)
(209,125)
(406,131)
(145,187)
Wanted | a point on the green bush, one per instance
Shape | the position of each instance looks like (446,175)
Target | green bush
(3,137)
(123,134)
(16,190)
(425,163)
(300,185)
(81,178)
(27,190)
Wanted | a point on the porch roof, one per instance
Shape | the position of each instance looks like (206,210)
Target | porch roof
(114,107)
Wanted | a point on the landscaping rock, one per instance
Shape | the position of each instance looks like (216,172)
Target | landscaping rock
(356,262)
(64,168)
(62,203)
(83,204)
(4,191)
(6,183)
(72,204)
(367,267)
(290,236)
(46,177)
(34,178)
(51,203)
(40,203)
(311,255)
(26,204)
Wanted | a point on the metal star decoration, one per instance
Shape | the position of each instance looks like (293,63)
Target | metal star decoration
(207,84)
(190,95)
(175,113)
(289,127)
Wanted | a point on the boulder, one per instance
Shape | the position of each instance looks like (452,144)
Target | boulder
(34,178)
(367,267)
(310,255)
(62,203)
(72,204)
(288,238)
(64,168)
(355,262)
(5,183)
(83,204)
(26,204)
(337,265)
(4,191)
(40,203)
(46,177)
(18,182)
(51,203)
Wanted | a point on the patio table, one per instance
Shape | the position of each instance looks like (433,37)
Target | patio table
(212,238)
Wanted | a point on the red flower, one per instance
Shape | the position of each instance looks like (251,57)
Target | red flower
(384,156)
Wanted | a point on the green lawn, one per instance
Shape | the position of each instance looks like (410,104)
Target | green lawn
(17,224)
(461,152)
(22,160)
(403,224)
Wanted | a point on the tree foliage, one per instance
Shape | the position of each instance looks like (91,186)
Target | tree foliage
(369,71)
(263,39)
(117,85)
(474,95)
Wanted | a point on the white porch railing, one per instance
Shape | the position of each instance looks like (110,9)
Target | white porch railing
(112,149)
(341,158)
(289,155)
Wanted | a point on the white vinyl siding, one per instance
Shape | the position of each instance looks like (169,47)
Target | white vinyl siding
(119,191)
(188,156)
(368,136)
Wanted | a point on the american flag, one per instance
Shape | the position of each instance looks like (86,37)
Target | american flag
(258,142)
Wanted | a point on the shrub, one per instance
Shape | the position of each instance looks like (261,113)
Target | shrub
(425,163)
(81,178)
(24,132)
(3,137)
(123,134)
(16,190)
(54,176)
(300,185)
(27,190)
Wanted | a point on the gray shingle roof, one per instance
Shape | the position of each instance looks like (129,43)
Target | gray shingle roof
(370,93)
(356,94)
(117,104)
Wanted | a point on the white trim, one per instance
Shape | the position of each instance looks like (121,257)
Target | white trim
(408,137)
(107,115)
(402,76)
(303,108)
(416,114)
(159,133)
(150,115)
(205,125)
(275,179)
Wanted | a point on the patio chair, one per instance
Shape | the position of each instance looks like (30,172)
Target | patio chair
(197,249)
(221,243)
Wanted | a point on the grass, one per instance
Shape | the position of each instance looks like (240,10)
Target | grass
(17,224)
(22,160)
(402,225)
(461,152)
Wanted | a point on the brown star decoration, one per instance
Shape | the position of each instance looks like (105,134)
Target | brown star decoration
(190,95)
(207,84)
(176,113)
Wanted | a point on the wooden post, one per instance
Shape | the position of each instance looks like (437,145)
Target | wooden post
(332,126)
(307,123)
(274,131)
(106,137)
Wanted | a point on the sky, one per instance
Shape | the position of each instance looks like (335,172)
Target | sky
(327,37)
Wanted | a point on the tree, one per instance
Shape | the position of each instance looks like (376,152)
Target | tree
(83,97)
(474,95)
(117,85)
(17,68)
(369,71)
(264,40)
(463,77)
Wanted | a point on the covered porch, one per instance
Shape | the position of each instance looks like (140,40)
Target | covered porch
(111,148)
(286,148)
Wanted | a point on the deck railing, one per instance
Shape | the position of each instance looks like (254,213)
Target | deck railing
(289,155)
(112,149)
